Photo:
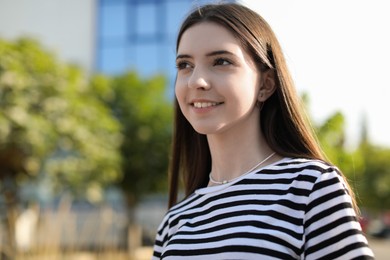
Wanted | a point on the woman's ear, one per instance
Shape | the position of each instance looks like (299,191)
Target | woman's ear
(267,85)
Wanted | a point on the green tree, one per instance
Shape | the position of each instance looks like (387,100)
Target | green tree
(51,123)
(145,111)
(373,187)
(374,184)
(331,135)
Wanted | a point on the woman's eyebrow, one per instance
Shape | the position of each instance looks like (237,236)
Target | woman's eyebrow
(219,52)
(183,56)
(210,54)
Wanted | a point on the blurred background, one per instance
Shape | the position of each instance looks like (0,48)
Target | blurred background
(86,90)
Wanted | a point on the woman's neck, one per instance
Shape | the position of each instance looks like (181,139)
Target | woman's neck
(233,155)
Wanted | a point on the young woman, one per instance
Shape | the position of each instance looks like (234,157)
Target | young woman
(257,185)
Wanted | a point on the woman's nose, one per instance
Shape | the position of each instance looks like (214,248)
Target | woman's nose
(198,79)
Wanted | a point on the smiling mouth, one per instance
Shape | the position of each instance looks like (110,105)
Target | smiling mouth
(205,104)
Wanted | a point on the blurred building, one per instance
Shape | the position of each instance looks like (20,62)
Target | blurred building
(108,36)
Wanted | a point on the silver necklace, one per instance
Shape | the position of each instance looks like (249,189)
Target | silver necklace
(254,167)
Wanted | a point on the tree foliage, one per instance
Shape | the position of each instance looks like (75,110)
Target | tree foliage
(374,181)
(332,136)
(144,110)
(52,123)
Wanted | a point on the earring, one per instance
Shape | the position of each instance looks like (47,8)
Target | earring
(260,104)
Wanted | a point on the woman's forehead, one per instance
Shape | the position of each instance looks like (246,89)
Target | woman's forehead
(208,37)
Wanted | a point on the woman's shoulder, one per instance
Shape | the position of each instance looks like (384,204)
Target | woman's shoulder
(181,205)
(299,167)
(300,163)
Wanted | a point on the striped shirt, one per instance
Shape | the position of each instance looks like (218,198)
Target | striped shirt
(292,209)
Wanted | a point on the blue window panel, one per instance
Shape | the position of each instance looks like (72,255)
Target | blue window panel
(166,59)
(146,20)
(147,59)
(168,64)
(113,21)
(108,2)
(131,58)
(176,12)
(113,60)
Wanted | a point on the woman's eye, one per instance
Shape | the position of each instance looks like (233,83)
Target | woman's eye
(182,65)
(221,61)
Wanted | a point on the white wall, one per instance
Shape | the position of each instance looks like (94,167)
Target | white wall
(65,27)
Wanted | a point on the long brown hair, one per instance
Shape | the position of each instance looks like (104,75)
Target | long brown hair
(191,159)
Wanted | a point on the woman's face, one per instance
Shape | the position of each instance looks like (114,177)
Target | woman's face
(217,82)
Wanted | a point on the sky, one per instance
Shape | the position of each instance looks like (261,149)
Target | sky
(338,52)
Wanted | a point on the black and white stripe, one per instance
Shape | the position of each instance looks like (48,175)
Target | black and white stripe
(293,209)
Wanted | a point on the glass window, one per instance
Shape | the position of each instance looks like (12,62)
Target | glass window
(147,58)
(107,2)
(176,11)
(165,58)
(131,58)
(168,65)
(146,19)
(113,60)
(113,20)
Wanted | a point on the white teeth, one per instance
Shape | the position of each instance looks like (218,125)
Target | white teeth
(204,104)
